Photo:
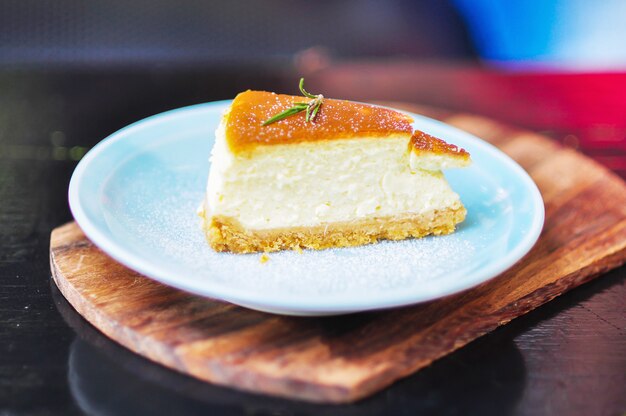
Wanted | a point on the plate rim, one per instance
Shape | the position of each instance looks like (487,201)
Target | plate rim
(322,305)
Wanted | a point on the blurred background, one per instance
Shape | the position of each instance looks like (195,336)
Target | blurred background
(73,72)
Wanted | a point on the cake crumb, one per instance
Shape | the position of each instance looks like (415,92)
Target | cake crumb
(298,249)
(264,258)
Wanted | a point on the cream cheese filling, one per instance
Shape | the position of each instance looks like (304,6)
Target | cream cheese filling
(322,182)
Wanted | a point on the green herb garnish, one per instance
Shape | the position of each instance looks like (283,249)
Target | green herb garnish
(311,108)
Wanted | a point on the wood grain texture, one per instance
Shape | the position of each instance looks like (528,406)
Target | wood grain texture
(342,359)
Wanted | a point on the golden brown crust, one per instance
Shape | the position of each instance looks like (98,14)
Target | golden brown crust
(226,234)
(422,142)
(337,119)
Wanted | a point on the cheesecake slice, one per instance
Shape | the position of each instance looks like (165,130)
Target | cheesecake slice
(354,175)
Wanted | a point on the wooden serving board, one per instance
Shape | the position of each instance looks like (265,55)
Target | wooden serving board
(345,358)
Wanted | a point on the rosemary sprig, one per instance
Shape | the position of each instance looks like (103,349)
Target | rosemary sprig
(311,108)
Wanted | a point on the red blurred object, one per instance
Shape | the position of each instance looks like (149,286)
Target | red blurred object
(586,111)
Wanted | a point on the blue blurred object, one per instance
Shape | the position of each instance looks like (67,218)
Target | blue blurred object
(561,34)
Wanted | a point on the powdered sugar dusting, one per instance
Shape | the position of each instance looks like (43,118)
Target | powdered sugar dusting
(170,230)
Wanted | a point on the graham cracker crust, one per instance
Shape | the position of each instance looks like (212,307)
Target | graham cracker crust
(226,234)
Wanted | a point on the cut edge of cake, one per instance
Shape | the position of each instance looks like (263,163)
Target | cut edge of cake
(249,169)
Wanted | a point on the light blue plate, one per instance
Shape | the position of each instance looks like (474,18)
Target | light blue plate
(135,196)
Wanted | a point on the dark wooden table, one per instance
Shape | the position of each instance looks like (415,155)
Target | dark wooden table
(567,357)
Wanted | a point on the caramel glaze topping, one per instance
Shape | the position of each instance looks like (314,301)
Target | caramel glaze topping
(422,142)
(337,119)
